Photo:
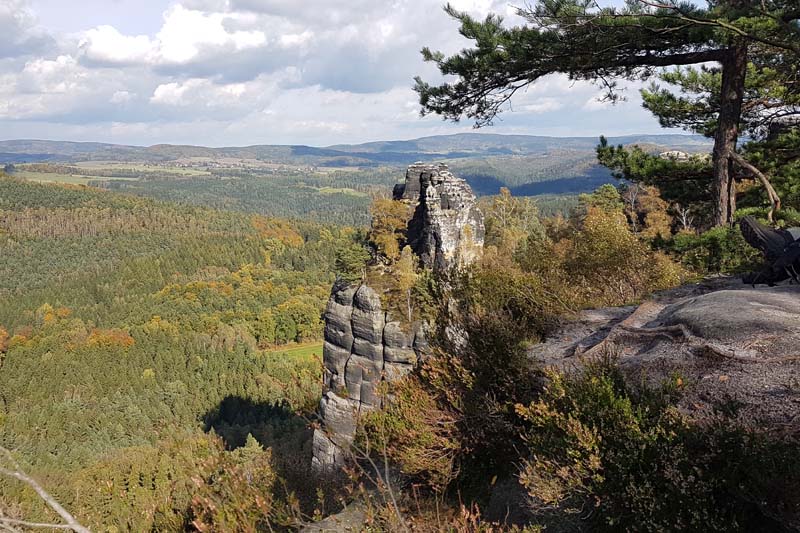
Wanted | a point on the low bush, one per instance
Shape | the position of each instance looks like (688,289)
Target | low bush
(785,217)
(452,422)
(609,265)
(718,250)
(604,456)
(418,429)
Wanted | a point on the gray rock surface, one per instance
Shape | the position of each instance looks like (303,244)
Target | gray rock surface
(753,369)
(363,347)
(351,519)
(766,321)
(447,228)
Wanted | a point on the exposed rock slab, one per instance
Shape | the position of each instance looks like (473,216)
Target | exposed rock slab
(761,383)
(764,321)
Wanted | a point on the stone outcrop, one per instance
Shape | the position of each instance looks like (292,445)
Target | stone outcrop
(781,126)
(447,227)
(363,347)
(728,342)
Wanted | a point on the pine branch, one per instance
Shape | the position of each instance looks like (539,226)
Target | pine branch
(725,25)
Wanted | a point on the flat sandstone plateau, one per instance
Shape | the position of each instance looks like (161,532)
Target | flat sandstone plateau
(732,347)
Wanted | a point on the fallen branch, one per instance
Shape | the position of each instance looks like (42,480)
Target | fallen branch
(12,522)
(17,473)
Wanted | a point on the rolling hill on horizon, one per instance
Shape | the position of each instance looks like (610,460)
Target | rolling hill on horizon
(326,184)
(455,146)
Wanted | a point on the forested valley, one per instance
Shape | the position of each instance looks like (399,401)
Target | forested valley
(468,333)
(140,340)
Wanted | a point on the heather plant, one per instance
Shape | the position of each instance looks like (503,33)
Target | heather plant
(603,455)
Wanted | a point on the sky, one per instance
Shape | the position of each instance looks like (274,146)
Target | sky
(243,72)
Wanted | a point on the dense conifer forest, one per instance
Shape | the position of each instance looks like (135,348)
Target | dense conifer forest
(140,339)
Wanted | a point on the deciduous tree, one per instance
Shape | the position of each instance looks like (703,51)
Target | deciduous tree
(389,221)
(406,273)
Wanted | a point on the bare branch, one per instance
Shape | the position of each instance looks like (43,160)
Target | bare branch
(17,473)
(773,196)
(12,522)
(383,482)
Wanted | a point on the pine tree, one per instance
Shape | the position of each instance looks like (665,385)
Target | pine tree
(587,42)
(350,262)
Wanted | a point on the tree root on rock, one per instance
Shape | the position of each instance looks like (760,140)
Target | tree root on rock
(679,332)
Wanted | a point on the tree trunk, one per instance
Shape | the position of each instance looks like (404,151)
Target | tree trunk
(734,71)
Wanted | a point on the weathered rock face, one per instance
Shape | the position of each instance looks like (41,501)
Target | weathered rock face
(447,227)
(781,126)
(363,347)
(745,348)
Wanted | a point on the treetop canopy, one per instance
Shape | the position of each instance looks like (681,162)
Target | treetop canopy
(586,41)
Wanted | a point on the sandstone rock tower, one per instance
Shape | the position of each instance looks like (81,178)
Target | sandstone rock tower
(363,345)
(447,228)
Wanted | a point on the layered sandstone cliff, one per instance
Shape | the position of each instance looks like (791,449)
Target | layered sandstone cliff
(364,346)
(447,227)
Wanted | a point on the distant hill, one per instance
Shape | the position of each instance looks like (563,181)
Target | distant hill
(458,146)
(528,165)
(483,144)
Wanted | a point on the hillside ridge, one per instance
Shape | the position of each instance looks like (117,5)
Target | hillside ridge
(438,145)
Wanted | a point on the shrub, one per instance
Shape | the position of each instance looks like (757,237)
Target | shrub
(417,430)
(603,456)
(529,302)
(453,419)
(234,492)
(435,517)
(720,249)
(388,228)
(786,217)
(609,265)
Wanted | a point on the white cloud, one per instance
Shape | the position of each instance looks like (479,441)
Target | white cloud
(19,35)
(545,105)
(59,76)
(105,44)
(172,93)
(120,97)
(597,103)
(184,36)
(251,71)
(235,90)
(296,39)
(187,32)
